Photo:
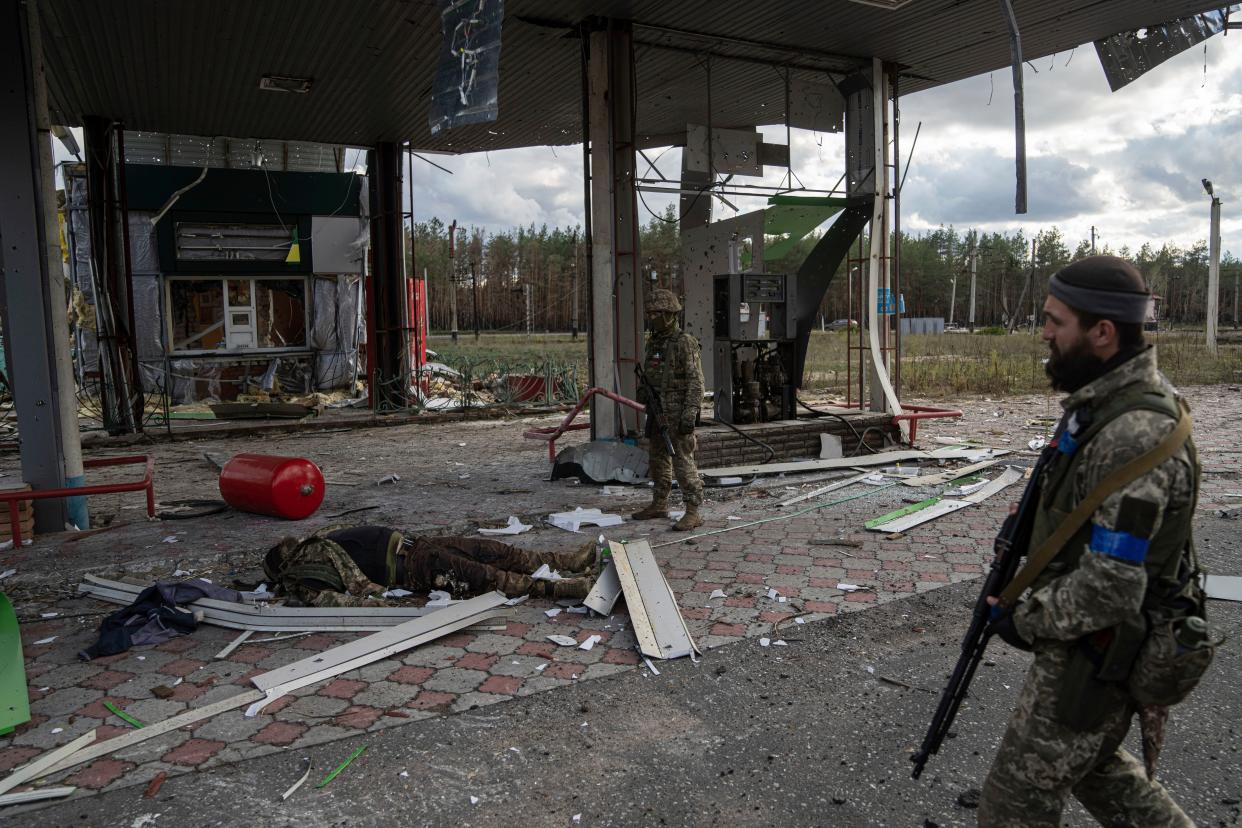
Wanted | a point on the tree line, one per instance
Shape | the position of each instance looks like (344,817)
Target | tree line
(533,277)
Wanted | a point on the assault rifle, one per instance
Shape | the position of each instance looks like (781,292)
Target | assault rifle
(655,409)
(1011,544)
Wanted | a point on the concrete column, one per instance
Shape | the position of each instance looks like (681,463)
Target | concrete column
(35,330)
(1213,290)
(616,291)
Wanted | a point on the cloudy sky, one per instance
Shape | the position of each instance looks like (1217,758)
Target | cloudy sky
(1128,162)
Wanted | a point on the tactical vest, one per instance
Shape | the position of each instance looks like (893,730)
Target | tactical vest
(1058,497)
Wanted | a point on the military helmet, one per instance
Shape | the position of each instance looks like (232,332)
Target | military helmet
(662,300)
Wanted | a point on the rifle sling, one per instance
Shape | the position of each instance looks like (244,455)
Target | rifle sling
(1136,468)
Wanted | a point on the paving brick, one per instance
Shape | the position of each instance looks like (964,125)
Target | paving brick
(617,656)
(412,675)
(280,733)
(517,665)
(178,645)
(564,670)
(515,629)
(193,752)
(106,680)
(99,774)
(230,727)
(476,661)
(342,689)
(323,733)
(537,648)
(359,717)
(455,680)
(11,757)
(506,685)
(429,700)
(65,701)
(250,654)
(181,668)
(386,694)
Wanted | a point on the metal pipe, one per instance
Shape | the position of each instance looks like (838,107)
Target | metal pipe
(1019,115)
(897,178)
(587,249)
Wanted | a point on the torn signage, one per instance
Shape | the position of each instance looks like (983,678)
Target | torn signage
(1127,56)
(465,90)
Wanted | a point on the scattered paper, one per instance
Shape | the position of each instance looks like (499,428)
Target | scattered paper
(541,667)
(439,598)
(144,821)
(773,594)
(780,642)
(514,527)
(735,517)
(48,614)
(717,593)
(848,587)
(181,573)
(7,573)
(388,478)
(590,642)
(1037,444)
(552,613)
(171,539)
(763,642)
(577,818)
(563,640)
(474,800)
(45,640)
(579,517)
(395,593)
(56,730)
(799,620)
(546,573)
(404,774)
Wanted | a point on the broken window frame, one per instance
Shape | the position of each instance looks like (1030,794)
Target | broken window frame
(223,281)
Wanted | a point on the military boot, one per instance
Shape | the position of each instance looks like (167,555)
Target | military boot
(657,509)
(690,520)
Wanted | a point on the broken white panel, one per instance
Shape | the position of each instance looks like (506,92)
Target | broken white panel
(563,640)
(514,527)
(936,510)
(1224,587)
(603,596)
(963,490)
(1011,475)
(830,447)
(36,795)
(579,517)
(951,475)
(733,151)
(658,624)
(335,250)
(590,642)
(372,648)
(38,766)
(881,459)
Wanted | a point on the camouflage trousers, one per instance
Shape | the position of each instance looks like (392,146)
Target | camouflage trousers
(1042,761)
(662,468)
(473,566)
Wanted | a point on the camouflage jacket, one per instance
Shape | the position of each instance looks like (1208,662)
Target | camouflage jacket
(1107,581)
(319,573)
(674,364)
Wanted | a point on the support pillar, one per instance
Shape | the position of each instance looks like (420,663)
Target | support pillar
(389,376)
(1213,291)
(616,291)
(36,333)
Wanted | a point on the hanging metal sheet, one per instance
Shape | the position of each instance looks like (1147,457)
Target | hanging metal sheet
(468,76)
(1126,56)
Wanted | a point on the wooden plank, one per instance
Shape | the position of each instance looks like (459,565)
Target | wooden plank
(133,737)
(651,603)
(36,768)
(380,640)
(884,458)
(603,596)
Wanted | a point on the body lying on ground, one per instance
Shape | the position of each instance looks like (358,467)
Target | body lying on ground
(342,567)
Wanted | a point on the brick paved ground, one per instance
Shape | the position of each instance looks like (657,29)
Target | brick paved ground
(479,472)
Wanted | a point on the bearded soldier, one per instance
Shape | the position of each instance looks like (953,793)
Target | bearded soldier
(673,365)
(1087,613)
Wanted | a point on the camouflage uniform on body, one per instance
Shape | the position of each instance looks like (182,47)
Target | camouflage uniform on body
(1065,735)
(673,363)
(320,572)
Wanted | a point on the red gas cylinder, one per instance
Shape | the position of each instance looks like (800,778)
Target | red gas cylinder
(286,487)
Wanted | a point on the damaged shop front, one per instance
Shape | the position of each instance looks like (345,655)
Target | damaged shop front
(246,260)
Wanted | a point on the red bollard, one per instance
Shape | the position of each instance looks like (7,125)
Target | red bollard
(284,487)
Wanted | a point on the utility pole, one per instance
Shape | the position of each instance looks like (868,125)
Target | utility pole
(453,279)
(953,291)
(1213,295)
(1235,299)
(974,258)
(573,314)
(1093,240)
(1031,285)
(474,293)
(530,319)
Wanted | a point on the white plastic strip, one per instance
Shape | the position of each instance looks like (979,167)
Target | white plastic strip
(831,487)
(35,795)
(936,510)
(35,768)
(658,623)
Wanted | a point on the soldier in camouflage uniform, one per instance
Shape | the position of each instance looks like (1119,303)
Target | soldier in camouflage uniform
(1065,735)
(673,363)
(347,567)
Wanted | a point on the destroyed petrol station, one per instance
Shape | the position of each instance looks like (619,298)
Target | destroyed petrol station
(221,367)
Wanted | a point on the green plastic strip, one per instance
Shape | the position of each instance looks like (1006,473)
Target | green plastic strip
(902,512)
(14,696)
(341,767)
(122,714)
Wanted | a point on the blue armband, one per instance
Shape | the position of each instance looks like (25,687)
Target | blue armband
(1120,545)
